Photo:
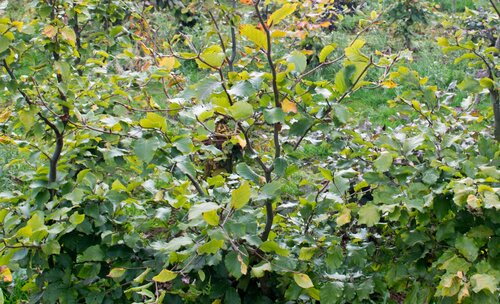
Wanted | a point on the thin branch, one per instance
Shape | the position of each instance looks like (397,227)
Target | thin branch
(274,81)
(495,8)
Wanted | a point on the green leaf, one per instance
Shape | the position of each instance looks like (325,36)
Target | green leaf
(280,165)
(303,280)
(326,51)
(274,115)
(232,296)
(271,190)
(146,148)
(471,85)
(259,271)
(467,248)
(484,281)
(247,173)
(211,247)
(272,246)
(281,14)
(369,215)
(91,254)
(165,276)
(4,43)
(241,196)
(299,60)
(383,162)
(241,110)
(197,210)
(51,247)
(331,293)
(255,35)
(300,127)
(235,264)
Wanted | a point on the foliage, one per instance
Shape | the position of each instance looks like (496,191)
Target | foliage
(144,186)
(406,15)
(480,49)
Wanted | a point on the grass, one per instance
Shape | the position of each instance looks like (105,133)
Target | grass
(7,153)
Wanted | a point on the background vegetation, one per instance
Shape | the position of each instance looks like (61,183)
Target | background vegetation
(249,151)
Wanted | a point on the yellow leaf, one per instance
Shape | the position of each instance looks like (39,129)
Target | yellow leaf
(254,34)
(211,217)
(288,106)
(416,105)
(281,14)
(303,280)
(168,63)
(243,267)
(373,15)
(5,274)
(5,115)
(165,276)
(389,84)
(241,141)
(18,25)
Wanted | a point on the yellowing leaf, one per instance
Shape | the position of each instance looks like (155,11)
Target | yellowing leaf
(353,52)
(211,217)
(303,280)
(212,57)
(288,106)
(165,276)
(344,217)
(154,120)
(241,196)
(116,272)
(306,253)
(69,35)
(50,31)
(211,247)
(5,115)
(118,186)
(326,51)
(373,15)
(254,34)
(281,14)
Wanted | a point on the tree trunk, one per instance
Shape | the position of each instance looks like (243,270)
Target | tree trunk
(495,100)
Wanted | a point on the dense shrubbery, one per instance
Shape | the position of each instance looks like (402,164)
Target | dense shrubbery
(146,186)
